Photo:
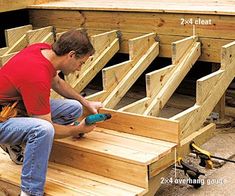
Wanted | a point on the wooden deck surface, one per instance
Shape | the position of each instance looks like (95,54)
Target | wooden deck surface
(225,7)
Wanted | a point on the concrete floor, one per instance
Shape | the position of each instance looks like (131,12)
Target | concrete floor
(219,181)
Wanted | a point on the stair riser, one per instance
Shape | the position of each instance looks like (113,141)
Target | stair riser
(101,165)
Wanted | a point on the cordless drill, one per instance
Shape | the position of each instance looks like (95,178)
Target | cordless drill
(94,118)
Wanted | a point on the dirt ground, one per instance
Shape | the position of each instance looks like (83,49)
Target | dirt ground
(220,181)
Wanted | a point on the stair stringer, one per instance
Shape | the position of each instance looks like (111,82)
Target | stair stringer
(105,45)
(118,79)
(161,84)
(209,91)
(20,37)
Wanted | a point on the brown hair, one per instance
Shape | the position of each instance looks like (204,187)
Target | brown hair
(73,40)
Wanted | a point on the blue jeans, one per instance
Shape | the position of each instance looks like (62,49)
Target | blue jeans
(38,136)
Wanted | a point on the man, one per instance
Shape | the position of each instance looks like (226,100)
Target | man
(28,78)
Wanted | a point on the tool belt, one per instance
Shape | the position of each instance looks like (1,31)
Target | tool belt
(12,109)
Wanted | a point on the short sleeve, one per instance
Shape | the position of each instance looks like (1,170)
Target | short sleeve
(36,98)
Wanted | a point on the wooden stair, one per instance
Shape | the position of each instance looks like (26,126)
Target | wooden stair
(128,154)
(63,180)
(109,153)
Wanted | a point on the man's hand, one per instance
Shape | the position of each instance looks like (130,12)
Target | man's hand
(93,106)
(83,128)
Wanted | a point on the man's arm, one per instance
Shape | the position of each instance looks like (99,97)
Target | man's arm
(62,131)
(65,90)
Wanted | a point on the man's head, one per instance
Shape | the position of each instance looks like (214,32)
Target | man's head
(75,47)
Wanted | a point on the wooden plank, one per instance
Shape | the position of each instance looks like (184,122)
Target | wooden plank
(99,96)
(116,80)
(180,72)
(136,137)
(161,164)
(37,35)
(10,174)
(103,40)
(151,127)
(197,116)
(8,5)
(106,45)
(50,39)
(14,34)
(128,143)
(129,79)
(3,50)
(205,84)
(167,26)
(155,182)
(104,185)
(113,75)
(137,107)
(5,58)
(62,180)
(19,45)
(221,7)
(156,80)
(7,188)
(96,66)
(112,168)
(140,45)
(184,117)
(199,137)
(179,48)
(111,150)
(72,179)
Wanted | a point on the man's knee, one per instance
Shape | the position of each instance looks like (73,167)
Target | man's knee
(77,107)
(45,130)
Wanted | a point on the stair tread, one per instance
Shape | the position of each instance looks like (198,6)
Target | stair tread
(122,146)
(64,180)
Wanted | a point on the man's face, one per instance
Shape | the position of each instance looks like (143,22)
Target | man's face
(74,63)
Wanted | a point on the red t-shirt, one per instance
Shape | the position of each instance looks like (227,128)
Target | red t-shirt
(27,76)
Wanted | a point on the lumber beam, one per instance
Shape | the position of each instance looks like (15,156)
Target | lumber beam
(38,35)
(217,83)
(87,160)
(122,88)
(182,68)
(199,137)
(7,57)
(154,83)
(3,50)
(205,84)
(147,126)
(118,79)
(14,34)
(106,45)
(19,45)
(161,84)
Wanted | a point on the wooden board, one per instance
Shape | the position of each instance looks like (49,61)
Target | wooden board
(64,180)
(167,26)
(14,34)
(101,165)
(190,6)
(146,126)
(8,5)
(191,119)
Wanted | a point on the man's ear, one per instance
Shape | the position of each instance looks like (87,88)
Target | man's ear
(71,54)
